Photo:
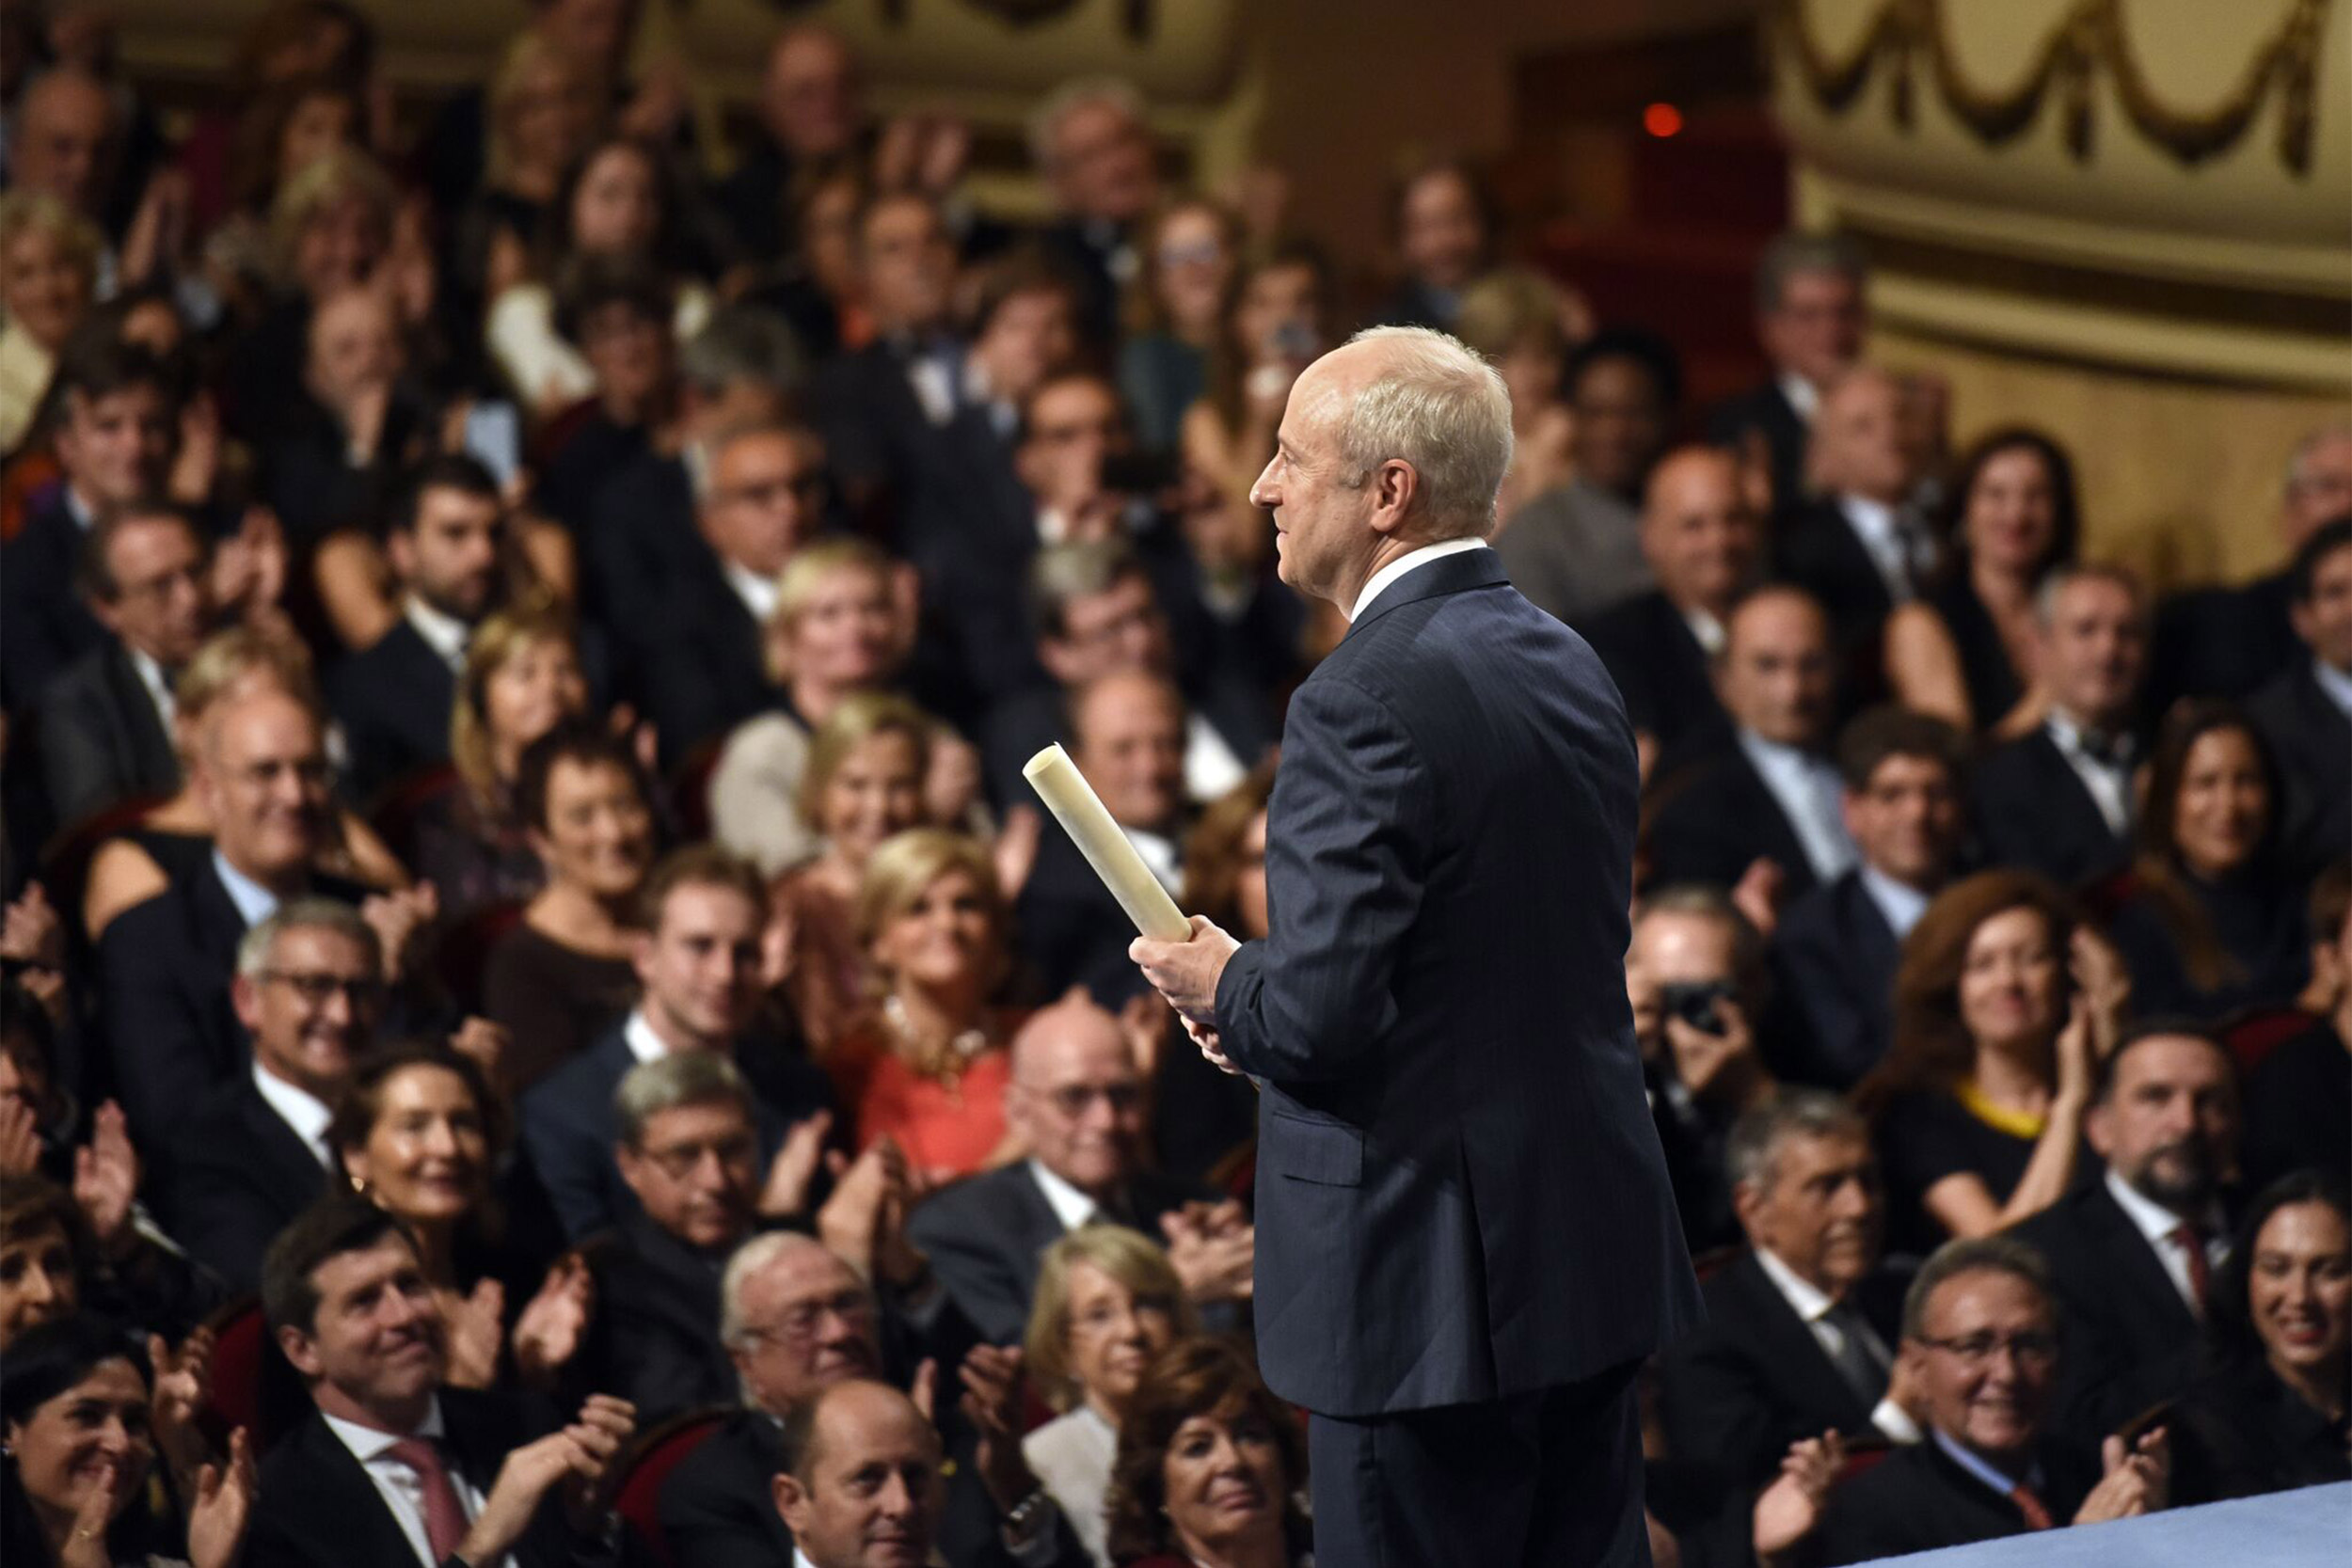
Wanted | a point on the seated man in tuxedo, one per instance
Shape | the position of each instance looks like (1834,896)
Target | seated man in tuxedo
(1129,730)
(116,437)
(1810,317)
(1862,548)
(1768,808)
(445,541)
(1980,1344)
(2130,1255)
(1694,973)
(761,496)
(260,772)
(1835,949)
(392,1467)
(1800,1325)
(2060,801)
(1076,1101)
(2307,712)
(697,957)
(105,722)
(1096,612)
(2230,642)
(253,1154)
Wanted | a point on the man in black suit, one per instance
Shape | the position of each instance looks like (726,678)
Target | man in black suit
(1862,548)
(2230,642)
(2130,1254)
(761,497)
(1767,809)
(254,1153)
(811,109)
(1800,1325)
(105,722)
(1129,732)
(1980,1344)
(1835,949)
(1449,860)
(445,540)
(2060,801)
(1703,542)
(701,912)
(1077,1101)
(1092,147)
(172,1033)
(391,1466)
(2307,712)
(116,442)
(1811,316)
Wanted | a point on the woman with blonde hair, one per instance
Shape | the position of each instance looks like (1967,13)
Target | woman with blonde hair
(837,630)
(928,1070)
(1107,1302)
(48,277)
(522,678)
(863,782)
(175,839)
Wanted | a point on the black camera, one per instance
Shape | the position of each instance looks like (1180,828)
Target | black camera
(1698,1003)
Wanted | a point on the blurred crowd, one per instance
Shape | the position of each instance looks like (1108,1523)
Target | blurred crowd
(541,1022)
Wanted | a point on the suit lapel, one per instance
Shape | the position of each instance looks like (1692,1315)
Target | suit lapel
(2140,1276)
(339,1506)
(1450,574)
(1764,808)
(1790,1352)
(2065,793)
(138,728)
(290,1171)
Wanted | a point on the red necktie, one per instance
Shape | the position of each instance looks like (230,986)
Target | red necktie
(2191,1240)
(2037,1516)
(444,1515)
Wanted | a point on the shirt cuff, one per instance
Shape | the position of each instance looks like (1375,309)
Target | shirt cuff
(1895,1421)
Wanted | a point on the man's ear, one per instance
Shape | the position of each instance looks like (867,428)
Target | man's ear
(1394,488)
(299,1351)
(631,1165)
(2099,1128)
(1062,661)
(400,552)
(245,998)
(792,1502)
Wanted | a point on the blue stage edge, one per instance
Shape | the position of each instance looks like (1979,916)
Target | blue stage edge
(2310,1528)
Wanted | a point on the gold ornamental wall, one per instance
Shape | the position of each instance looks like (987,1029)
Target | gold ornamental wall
(2129,221)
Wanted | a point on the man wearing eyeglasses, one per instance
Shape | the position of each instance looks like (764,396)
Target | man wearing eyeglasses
(1076,1100)
(1981,1340)
(309,990)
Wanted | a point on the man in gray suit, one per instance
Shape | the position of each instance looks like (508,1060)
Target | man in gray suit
(1467,1244)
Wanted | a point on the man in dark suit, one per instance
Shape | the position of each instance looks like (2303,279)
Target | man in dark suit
(2307,712)
(1835,949)
(171,1029)
(1861,548)
(115,443)
(1703,543)
(1800,1324)
(1095,152)
(1981,1341)
(812,111)
(698,962)
(1449,867)
(1077,1101)
(1768,805)
(1129,731)
(2060,801)
(391,1466)
(1811,316)
(445,541)
(253,1154)
(2130,1254)
(105,722)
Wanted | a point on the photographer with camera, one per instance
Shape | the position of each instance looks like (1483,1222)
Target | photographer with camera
(1694,973)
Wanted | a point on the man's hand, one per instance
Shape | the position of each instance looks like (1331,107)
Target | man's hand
(106,1180)
(795,1167)
(1214,1250)
(992,1403)
(1186,972)
(1700,1057)
(2139,1479)
(551,1327)
(1789,1509)
(579,1454)
(398,918)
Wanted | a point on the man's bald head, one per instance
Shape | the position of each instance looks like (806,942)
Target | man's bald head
(1698,532)
(62,140)
(1776,673)
(261,775)
(860,1483)
(1077,1096)
(1128,734)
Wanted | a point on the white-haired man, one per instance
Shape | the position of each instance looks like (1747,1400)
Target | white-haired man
(1467,1243)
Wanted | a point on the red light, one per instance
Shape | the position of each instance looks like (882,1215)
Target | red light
(1661,120)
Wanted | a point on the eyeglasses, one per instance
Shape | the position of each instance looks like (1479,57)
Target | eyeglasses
(680,1161)
(1071,1100)
(2028,1350)
(317,987)
(808,489)
(800,1323)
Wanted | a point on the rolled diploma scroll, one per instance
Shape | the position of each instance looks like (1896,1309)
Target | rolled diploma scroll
(1084,818)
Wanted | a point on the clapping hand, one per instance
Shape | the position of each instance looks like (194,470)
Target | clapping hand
(993,1397)
(106,1180)
(1214,1250)
(2138,1478)
(550,1332)
(1790,1509)
(222,1505)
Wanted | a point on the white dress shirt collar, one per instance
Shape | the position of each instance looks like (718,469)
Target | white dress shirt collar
(1900,904)
(151,676)
(2107,782)
(2334,684)
(401,1487)
(1705,630)
(1801,394)
(1071,1206)
(1404,564)
(757,593)
(1977,1466)
(299,1109)
(368,1443)
(446,635)
(1813,1307)
(255,903)
(643,1043)
(2158,1224)
(1885,537)
(1805,1298)
(1159,852)
(1808,790)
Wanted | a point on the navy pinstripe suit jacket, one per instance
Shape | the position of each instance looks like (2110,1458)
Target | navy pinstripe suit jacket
(1460,1193)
